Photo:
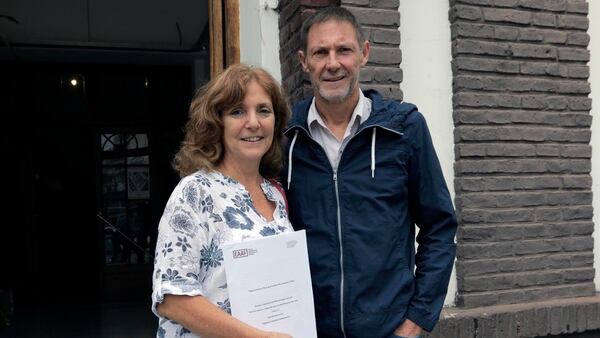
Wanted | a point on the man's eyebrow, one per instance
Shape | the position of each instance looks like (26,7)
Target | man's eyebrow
(347,44)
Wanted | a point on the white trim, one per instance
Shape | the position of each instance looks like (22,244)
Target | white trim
(594,19)
(427,80)
(260,47)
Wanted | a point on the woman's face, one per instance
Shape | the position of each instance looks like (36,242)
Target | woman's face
(248,128)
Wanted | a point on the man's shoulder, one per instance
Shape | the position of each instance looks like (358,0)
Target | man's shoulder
(299,114)
(381,103)
(392,113)
(302,104)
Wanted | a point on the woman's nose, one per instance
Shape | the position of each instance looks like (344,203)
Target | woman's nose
(252,121)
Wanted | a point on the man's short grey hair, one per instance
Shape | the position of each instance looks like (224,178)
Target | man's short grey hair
(331,13)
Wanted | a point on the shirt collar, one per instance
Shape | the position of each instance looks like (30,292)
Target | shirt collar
(361,112)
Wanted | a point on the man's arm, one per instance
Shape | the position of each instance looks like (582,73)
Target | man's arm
(432,210)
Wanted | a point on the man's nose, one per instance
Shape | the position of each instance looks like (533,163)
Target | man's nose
(332,60)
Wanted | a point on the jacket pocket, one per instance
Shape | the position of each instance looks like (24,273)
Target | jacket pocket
(389,290)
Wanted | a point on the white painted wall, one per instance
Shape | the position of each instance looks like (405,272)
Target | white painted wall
(594,31)
(427,82)
(259,35)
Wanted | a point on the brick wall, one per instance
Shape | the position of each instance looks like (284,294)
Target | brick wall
(380,20)
(291,15)
(523,184)
(564,318)
(523,158)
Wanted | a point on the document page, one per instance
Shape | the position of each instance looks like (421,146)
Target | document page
(269,284)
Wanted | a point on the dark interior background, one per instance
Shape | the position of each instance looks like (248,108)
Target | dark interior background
(70,72)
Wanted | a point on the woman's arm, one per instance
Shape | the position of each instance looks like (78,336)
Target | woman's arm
(203,318)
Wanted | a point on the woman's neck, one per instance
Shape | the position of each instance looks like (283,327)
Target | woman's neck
(248,176)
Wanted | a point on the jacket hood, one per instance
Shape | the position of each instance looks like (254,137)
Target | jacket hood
(388,114)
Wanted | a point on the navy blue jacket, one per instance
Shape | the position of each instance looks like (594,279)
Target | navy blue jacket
(360,223)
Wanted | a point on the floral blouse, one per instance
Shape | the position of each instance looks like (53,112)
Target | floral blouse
(206,210)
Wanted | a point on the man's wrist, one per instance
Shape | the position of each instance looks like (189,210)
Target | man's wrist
(408,329)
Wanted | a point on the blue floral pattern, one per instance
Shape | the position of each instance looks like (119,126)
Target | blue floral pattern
(268,231)
(206,210)
(182,242)
(237,219)
(225,306)
(211,256)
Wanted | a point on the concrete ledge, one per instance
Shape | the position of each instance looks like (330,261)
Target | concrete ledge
(536,319)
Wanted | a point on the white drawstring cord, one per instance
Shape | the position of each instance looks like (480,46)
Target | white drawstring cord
(289,177)
(373,152)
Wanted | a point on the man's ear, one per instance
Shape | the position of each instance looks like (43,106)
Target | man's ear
(365,53)
(302,59)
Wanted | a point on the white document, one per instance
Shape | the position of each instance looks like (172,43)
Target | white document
(269,284)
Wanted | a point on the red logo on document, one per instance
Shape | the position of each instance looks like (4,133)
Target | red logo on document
(240,253)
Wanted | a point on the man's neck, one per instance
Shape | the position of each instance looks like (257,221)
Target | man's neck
(337,115)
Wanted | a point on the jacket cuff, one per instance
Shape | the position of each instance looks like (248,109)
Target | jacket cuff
(421,318)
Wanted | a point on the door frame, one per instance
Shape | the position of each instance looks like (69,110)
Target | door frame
(224,25)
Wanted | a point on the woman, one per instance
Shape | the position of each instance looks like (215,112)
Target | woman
(231,150)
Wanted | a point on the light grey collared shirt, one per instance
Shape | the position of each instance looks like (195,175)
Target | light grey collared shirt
(325,137)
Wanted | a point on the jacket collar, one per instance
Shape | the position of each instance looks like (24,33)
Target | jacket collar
(388,114)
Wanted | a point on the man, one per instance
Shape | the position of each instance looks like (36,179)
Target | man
(361,173)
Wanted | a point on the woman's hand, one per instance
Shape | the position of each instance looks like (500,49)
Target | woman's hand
(277,335)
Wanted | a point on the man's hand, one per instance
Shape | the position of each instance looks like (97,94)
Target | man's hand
(408,329)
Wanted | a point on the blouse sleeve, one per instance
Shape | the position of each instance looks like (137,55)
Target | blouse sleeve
(182,233)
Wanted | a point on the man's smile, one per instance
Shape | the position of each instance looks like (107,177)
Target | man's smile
(334,78)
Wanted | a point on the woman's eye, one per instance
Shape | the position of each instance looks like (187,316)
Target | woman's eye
(265,110)
(236,112)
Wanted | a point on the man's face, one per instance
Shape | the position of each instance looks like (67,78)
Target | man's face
(333,58)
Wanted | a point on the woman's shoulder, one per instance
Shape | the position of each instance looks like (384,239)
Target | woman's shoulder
(200,178)
(192,188)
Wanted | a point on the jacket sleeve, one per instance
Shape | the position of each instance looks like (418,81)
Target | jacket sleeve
(431,209)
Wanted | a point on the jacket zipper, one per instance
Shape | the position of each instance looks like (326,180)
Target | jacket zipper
(339,228)
(339,215)
(339,221)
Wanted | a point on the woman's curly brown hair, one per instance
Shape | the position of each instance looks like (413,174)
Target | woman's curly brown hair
(202,147)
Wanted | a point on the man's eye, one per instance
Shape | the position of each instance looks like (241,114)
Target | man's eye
(320,52)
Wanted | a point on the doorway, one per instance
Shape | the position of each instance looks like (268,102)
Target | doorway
(86,154)
(94,96)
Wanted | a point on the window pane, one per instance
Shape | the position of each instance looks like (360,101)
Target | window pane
(113,182)
(113,161)
(115,212)
(138,159)
(138,212)
(115,249)
(138,182)
(137,141)
(110,142)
